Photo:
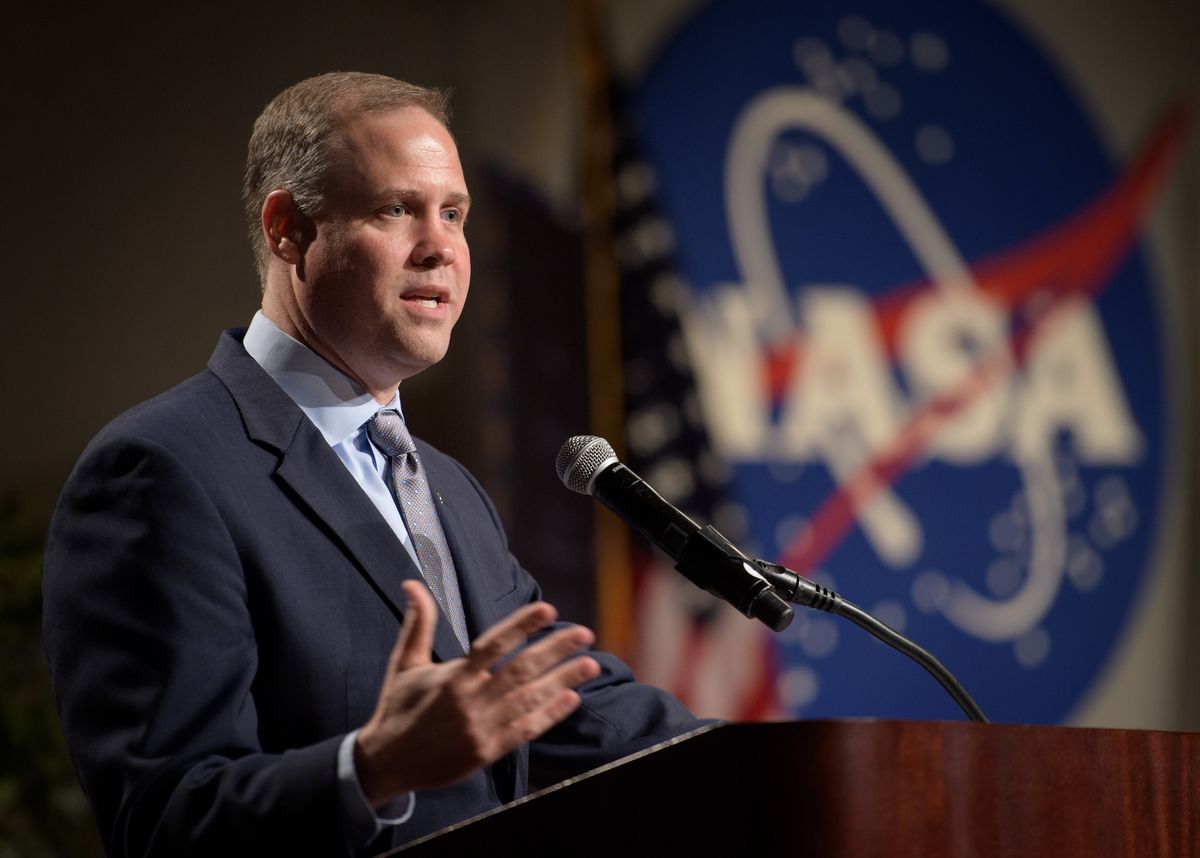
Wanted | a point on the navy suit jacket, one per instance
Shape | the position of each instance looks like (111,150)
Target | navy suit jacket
(220,602)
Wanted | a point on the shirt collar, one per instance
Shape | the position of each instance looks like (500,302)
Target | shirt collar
(336,404)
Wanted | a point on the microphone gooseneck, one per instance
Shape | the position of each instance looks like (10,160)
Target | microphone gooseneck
(757,588)
(801,591)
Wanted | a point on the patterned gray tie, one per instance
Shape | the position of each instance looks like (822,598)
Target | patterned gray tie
(386,429)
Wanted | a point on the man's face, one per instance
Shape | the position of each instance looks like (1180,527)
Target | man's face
(386,277)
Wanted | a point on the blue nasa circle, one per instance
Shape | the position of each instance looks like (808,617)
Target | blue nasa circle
(1001,150)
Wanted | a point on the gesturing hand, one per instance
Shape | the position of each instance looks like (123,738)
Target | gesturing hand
(434,724)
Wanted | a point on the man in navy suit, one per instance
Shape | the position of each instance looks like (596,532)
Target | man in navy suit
(243,647)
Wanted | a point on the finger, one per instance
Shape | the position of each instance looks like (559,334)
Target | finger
(528,698)
(531,725)
(538,704)
(414,646)
(502,638)
(533,661)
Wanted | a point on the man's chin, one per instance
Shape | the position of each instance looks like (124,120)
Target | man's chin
(416,360)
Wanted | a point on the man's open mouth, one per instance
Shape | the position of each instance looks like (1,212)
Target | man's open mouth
(424,301)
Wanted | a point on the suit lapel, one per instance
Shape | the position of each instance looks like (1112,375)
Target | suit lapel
(318,480)
(476,600)
(485,584)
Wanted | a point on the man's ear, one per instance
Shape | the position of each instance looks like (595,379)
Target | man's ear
(286,229)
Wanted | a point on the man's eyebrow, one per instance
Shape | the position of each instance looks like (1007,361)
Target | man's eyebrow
(457,198)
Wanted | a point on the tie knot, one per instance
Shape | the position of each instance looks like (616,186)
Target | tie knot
(387,431)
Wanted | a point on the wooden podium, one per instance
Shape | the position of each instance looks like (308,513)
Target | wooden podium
(864,788)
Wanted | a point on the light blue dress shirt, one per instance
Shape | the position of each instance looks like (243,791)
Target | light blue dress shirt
(340,409)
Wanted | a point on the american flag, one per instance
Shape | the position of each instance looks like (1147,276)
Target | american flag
(718,662)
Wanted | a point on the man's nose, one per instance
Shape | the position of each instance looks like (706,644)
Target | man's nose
(434,247)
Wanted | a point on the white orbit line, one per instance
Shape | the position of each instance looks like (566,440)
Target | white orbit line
(892,526)
(746,160)
(756,129)
(1001,620)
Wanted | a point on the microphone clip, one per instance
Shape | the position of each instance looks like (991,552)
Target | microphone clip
(713,564)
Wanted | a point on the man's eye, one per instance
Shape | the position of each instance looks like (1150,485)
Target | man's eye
(453,215)
(397,210)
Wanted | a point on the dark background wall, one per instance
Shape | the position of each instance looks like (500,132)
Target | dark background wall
(123,163)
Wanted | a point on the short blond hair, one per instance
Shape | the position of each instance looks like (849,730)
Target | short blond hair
(298,135)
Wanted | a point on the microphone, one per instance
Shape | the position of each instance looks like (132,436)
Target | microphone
(588,465)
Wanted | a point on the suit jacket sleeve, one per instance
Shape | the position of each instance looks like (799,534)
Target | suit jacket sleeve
(153,654)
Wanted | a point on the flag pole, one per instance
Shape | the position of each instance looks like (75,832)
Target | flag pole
(614,579)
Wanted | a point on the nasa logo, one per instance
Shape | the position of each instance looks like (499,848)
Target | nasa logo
(923,337)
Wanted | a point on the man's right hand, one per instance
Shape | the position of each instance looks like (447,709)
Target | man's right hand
(436,723)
